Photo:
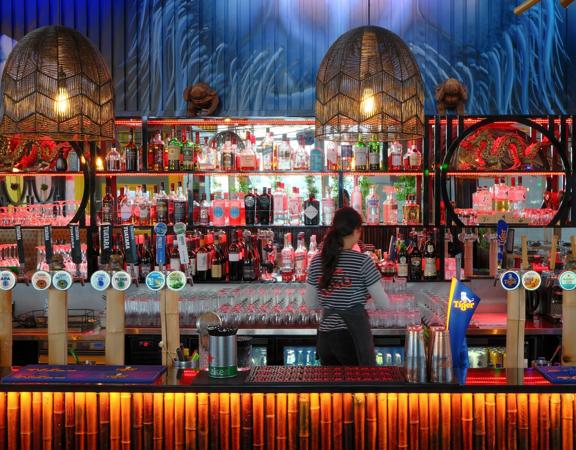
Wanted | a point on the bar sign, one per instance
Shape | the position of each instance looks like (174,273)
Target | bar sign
(20,245)
(129,244)
(48,243)
(161,229)
(105,243)
(75,243)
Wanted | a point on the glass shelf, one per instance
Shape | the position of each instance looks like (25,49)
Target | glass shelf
(5,173)
(480,174)
(214,121)
(256,173)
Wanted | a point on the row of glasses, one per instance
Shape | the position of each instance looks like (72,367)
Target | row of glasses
(64,251)
(57,213)
(531,216)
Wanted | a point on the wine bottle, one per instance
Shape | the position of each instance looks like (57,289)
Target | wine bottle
(430,256)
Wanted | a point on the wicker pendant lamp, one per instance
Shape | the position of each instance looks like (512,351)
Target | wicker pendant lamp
(56,84)
(369,84)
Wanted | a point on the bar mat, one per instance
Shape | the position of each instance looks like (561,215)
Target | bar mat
(323,375)
(497,377)
(558,374)
(42,373)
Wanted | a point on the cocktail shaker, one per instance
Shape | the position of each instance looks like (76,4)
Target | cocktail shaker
(440,355)
(415,354)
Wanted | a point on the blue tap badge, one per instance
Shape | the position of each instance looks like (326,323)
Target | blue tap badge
(161,229)
(510,280)
(462,304)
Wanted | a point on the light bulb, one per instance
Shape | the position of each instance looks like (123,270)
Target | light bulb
(99,163)
(367,104)
(62,102)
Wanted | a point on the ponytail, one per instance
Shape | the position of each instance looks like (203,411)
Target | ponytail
(346,220)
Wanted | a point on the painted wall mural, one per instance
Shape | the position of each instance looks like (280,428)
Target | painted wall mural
(262,55)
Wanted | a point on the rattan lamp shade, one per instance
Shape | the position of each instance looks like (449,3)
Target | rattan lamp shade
(57,84)
(369,84)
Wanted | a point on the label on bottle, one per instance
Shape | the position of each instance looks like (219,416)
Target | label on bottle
(174,154)
(175,263)
(300,263)
(227,160)
(158,152)
(234,212)
(162,210)
(402,267)
(430,267)
(216,271)
(218,212)
(125,212)
(246,161)
(204,216)
(332,157)
(144,214)
(248,272)
(179,211)
(347,153)
(361,158)
(396,160)
(294,208)
(430,248)
(311,212)
(287,261)
(131,159)
(267,157)
(249,201)
(201,262)
(374,159)
(415,160)
(233,257)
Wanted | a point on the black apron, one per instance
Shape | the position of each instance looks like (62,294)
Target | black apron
(358,324)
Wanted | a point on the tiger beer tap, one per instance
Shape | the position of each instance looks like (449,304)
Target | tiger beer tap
(468,238)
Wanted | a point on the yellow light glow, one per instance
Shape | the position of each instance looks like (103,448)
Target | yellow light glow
(62,102)
(99,163)
(367,104)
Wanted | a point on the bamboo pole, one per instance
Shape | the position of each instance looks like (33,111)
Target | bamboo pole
(69,419)
(314,421)
(402,420)
(12,412)
(37,420)
(214,434)
(47,423)
(523,439)
(169,419)
(270,420)
(281,424)
(479,421)
(115,330)
(512,421)
(567,421)
(148,421)
(555,423)
(359,411)
(59,420)
(534,419)
(544,430)
(371,422)
(137,419)
(569,320)
(191,420)
(179,421)
(80,420)
(467,418)
(203,421)
(516,320)
(57,326)
(115,421)
(348,421)
(3,427)
(92,421)
(445,427)
(304,421)
(5,329)
(224,419)
(501,421)
(247,427)
(170,322)
(258,420)
(325,421)
(126,420)
(424,421)
(413,421)
(382,421)
(491,422)
(158,421)
(25,421)
(392,420)
(337,420)
(235,421)
(456,425)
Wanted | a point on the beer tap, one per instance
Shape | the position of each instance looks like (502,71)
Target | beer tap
(468,237)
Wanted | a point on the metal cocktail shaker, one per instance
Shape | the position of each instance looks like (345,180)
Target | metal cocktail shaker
(440,355)
(415,354)
(223,360)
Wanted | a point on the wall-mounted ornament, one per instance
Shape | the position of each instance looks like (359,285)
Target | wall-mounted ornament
(202,100)
(451,95)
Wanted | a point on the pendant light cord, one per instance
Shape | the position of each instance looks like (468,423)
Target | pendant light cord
(369,13)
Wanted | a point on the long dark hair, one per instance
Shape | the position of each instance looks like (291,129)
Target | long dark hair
(346,220)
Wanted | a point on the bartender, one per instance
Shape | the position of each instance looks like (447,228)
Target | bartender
(340,280)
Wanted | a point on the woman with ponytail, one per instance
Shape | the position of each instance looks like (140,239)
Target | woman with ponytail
(340,279)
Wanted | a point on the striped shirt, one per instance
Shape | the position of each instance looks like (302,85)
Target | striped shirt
(355,272)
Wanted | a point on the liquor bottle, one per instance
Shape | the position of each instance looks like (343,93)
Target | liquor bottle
(313,250)
(516,195)
(202,262)
(72,161)
(246,159)
(372,207)
(403,260)
(357,199)
(346,156)
(406,158)
(311,210)
(268,257)
(162,205)
(112,160)
(235,261)
(116,255)
(125,206)
(263,206)
(154,206)
(191,245)
(108,206)
(136,202)
(287,259)
(250,207)
(227,155)
(430,256)
(146,259)
(374,154)
(328,208)
(415,160)
(300,159)
(174,255)
(415,266)
(131,154)
(187,152)
(156,149)
(217,270)
(180,206)
(219,211)
(235,210)
(300,259)
(251,261)
(316,157)
(278,199)
(361,155)
(331,156)
(268,151)
(174,151)
(295,207)
(500,196)
(284,154)
(204,215)
(390,207)
(411,211)
(395,157)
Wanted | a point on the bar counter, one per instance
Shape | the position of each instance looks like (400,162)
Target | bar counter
(494,409)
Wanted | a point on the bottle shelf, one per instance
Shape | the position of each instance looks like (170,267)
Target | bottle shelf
(215,121)
(481,174)
(261,173)
(22,173)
